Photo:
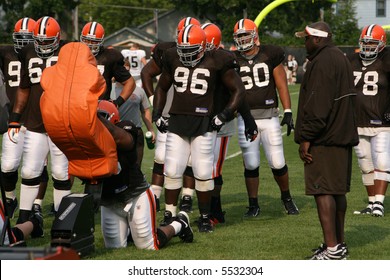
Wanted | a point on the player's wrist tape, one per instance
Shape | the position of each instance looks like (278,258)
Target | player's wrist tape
(14,117)
(119,101)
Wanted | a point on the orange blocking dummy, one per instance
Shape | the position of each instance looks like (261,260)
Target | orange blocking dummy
(69,111)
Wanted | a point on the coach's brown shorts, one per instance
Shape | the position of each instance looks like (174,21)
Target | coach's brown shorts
(330,171)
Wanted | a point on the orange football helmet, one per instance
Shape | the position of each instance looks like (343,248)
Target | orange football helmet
(23,33)
(186,21)
(372,41)
(213,36)
(191,45)
(46,36)
(108,110)
(245,34)
(93,36)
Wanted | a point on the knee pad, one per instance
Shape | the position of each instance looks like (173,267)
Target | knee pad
(44,175)
(188,172)
(251,173)
(31,182)
(204,186)
(281,171)
(9,180)
(173,183)
(158,168)
(162,238)
(382,175)
(218,180)
(62,185)
(368,179)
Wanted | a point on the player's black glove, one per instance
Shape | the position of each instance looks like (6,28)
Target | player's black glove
(162,124)
(119,101)
(387,117)
(251,130)
(219,120)
(288,120)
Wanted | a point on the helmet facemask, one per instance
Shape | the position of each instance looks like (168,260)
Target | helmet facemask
(45,46)
(21,39)
(370,48)
(190,55)
(94,44)
(244,40)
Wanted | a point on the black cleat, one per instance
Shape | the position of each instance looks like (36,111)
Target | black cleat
(11,205)
(52,211)
(253,211)
(186,204)
(205,224)
(290,207)
(37,220)
(186,234)
(365,211)
(167,218)
(325,254)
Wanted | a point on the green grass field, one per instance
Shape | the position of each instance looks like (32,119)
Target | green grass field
(273,236)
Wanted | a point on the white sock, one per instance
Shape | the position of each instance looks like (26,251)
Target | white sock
(371,198)
(57,197)
(188,191)
(171,208)
(10,194)
(177,226)
(38,201)
(380,198)
(157,190)
(27,196)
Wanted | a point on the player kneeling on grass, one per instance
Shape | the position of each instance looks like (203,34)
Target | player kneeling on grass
(128,204)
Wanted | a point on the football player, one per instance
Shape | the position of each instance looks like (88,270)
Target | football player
(195,75)
(34,58)
(10,66)
(110,62)
(128,204)
(262,72)
(371,68)
(137,60)
(151,70)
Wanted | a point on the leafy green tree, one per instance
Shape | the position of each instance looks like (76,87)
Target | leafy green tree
(16,9)
(116,14)
(279,25)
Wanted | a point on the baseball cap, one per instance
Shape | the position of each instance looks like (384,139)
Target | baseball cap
(310,31)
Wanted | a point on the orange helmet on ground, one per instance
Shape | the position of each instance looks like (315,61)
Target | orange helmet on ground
(108,110)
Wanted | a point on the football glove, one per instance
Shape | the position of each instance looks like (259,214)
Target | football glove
(162,124)
(13,131)
(251,130)
(288,120)
(217,123)
(387,117)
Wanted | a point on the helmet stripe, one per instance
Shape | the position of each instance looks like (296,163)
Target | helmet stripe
(42,27)
(187,21)
(186,33)
(370,29)
(241,24)
(24,23)
(92,29)
(204,26)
